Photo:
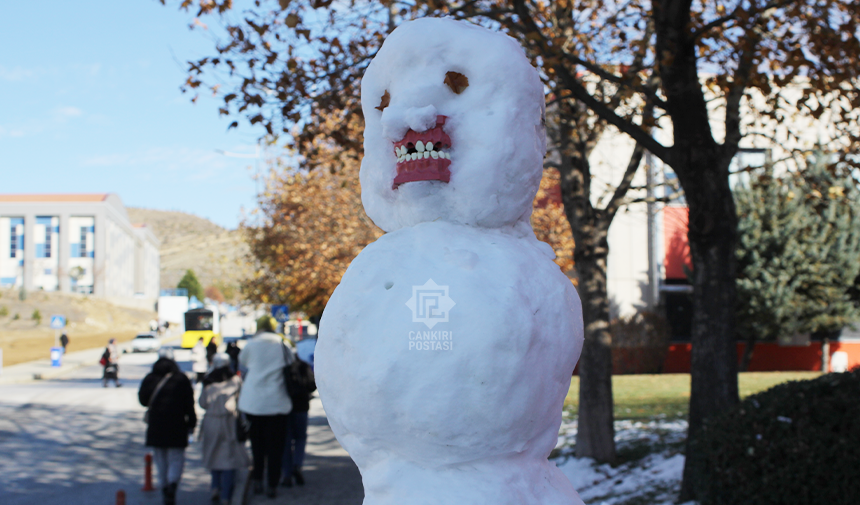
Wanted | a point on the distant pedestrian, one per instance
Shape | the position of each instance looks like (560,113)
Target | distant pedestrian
(199,363)
(168,394)
(64,341)
(211,349)
(297,422)
(223,454)
(233,351)
(110,362)
(265,402)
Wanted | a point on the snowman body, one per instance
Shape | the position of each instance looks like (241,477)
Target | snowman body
(445,354)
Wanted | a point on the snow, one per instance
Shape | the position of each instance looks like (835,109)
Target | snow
(495,125)
(656,478)
(494,399)
(445,354)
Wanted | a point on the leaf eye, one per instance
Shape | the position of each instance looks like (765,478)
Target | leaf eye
(383,103)
(456,81)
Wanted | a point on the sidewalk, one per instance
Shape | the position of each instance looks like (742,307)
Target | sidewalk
(42,369)
(331,478)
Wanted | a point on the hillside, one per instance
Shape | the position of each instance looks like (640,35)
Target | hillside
(190,242)
(91,322)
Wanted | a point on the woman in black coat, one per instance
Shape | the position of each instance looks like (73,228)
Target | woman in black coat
(170,398)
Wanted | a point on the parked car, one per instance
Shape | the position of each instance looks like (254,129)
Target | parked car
(145,342)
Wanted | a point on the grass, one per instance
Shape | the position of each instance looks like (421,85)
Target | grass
(645,397)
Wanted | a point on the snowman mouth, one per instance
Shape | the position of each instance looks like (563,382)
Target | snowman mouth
(423,156)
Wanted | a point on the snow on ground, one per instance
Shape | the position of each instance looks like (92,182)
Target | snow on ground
(651,464)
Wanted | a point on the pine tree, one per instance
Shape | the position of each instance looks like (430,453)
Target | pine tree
(799,241)
(189,281)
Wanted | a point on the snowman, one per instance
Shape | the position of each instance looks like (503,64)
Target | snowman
(445,354)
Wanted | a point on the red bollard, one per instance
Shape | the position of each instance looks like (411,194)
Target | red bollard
(120,497)
(147,474)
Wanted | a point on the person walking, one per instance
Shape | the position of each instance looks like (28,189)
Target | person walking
(110,362)
(199,363)
(211,349)
(169,398)
(304,385)
(265,402)
(223,454)
(64,341)
(233,351)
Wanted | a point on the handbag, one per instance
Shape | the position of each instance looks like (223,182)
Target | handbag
(243,424)
(290,382)
(154,394)
(243,427)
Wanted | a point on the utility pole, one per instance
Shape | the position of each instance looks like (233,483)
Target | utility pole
(653,263)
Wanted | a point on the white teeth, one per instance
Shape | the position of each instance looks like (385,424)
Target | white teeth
(425,150)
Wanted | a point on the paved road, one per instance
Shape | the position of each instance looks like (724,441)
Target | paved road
(69,441)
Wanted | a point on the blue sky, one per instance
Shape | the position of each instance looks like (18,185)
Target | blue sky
(90,103)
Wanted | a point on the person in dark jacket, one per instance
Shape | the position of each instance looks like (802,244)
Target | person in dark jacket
(110,362)
(168,394)
(233,351)
(297,423)
(211,349)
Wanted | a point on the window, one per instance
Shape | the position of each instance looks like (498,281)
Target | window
(13,240)
(16,242)
(43,250)
(48,233)
(83,242)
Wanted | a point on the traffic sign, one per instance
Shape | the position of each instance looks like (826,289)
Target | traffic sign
(58,322)
(56,356)
(281,313)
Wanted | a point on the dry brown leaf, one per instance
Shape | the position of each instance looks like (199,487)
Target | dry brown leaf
(456,81)
(383,103)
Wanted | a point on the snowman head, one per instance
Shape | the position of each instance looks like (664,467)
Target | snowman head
(453,128)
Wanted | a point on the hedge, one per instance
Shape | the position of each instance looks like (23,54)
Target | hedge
(796,443)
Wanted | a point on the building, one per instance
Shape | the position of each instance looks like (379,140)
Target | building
(78,243)
(649,253)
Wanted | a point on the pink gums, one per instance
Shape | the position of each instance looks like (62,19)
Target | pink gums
(424,169)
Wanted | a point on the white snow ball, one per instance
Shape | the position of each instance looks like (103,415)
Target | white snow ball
(453,127)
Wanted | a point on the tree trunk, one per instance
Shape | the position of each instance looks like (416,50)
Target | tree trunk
(712,237)
(748,354)
(595,437)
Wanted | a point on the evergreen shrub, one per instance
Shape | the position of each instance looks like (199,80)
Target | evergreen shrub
(797,443)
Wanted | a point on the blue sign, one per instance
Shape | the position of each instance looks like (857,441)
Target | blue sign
(58,322)
(56,356)
(281,313)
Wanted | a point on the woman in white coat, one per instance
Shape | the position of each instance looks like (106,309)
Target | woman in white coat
(265,402)
(199,363)
(222,452)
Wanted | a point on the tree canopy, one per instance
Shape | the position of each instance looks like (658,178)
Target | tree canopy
(798,250)
(190,282)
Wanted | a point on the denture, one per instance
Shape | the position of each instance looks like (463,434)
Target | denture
(423,156)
